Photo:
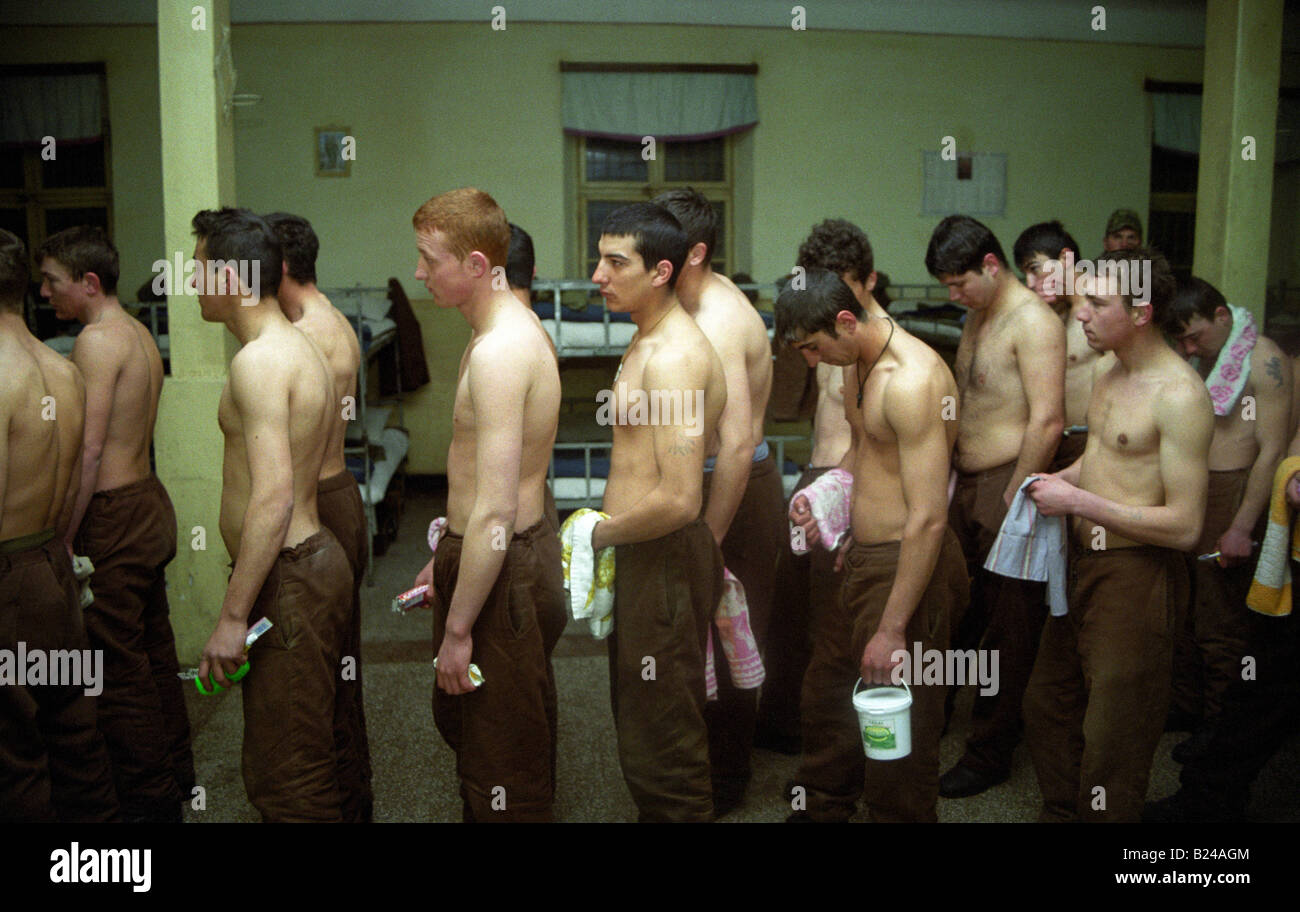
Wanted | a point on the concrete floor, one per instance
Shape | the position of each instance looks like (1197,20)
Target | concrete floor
(414,774)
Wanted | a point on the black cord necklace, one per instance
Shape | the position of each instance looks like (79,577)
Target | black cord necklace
(862,384)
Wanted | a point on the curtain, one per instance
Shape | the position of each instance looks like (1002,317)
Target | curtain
(69,108)
(668,106)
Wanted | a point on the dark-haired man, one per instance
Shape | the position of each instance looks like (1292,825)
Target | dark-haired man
(744,504)
(668,567)
(124,522)
(1097,699)
(904,577)
(276,412)
(53,763)
(1041,253)
(807,584)
(1010,369)
(498,587)
(1123,231)
(1249,380)
(338,498)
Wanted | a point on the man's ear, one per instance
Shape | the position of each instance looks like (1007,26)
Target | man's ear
(663,273)
(477,264)
(1222,313)
(991,263)
(93,285)
(1141,313)
(845,320)
(698,254)
(870,283)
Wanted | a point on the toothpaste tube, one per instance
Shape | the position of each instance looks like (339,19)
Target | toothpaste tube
(475,676)
(412,598)
(254,632)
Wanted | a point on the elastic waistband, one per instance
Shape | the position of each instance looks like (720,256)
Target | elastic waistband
(1079,550)
(26,542)
(1228,474)
(972,477)
(149,482)
(761,452)
(531,534)
(335,482)
(312,544)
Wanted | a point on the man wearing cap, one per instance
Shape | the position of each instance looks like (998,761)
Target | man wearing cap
(1123,231)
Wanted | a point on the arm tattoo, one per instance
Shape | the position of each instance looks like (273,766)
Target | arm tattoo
(683,446)
(1274,369)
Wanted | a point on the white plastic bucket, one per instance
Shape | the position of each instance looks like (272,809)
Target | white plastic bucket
(885,720)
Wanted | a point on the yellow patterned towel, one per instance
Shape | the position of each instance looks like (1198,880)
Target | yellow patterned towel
(588,577)
(1270,591)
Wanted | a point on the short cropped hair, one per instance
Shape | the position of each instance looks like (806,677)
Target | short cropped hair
(1163,284)
(1193,298)
(697,216)
(298,244)
(520,260)
(1048,238)
(656,235)
(800,312)
(15,273)
(241,236)
(84,249)
(471,220)
(840,246)
(958,245)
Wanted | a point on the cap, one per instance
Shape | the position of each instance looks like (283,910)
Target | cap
(1121,219)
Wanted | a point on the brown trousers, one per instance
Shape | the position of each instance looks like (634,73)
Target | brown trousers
(1213,637)
(805,585)
(750,550)
(338,500)
(290,759)
(53,762)
(1097,700)
(665,594)
(1005,615)
(129,533)
(833,764)
(504,733)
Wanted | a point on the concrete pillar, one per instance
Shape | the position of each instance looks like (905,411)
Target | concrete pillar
(1234,192)
(198,170)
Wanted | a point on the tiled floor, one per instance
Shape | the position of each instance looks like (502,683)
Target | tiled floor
(414,770)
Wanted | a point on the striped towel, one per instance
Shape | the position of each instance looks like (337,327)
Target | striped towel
(1270,590)
(738,643)
(1031,547)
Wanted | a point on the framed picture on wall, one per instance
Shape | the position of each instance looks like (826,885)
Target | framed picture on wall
(334,151)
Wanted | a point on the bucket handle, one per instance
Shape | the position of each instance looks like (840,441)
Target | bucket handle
(859,681)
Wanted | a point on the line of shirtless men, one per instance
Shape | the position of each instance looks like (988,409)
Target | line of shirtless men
(1080,399)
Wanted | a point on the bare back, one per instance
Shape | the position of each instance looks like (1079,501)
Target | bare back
(736,332)
(915,393)
(276,411)
(1130,458)
(124,374)
(507,409)
(634,469)
(42,408)
(332,333)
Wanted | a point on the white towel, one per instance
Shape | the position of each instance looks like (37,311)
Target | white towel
(588,577)
(1030,546)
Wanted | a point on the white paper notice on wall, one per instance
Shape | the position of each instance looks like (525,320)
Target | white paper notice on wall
(983,193)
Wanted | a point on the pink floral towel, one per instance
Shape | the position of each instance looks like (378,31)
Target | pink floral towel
(738,643)
(1231,371)
(830,498)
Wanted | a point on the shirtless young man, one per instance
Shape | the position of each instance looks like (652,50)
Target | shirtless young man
(667,564)
(338,498)
(1010,369)
(53,762)
(809,583)
(744,504)
(499,590)
(1250,438)
(124,522)
(904,575)
(1097,699)
(276,412)
(1040,253)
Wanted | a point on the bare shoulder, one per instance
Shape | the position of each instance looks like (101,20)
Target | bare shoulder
(1268,364)
(1036,323)
(1181,395)
(108,342)
(917,386)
